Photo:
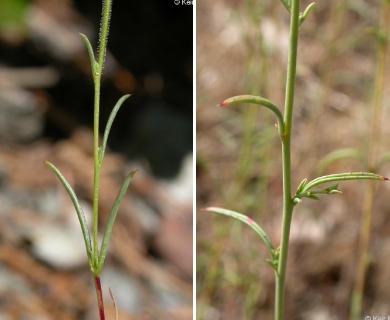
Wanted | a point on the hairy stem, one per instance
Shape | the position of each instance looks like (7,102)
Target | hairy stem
(286,161)
(97,74)
(96,159)
(96,170)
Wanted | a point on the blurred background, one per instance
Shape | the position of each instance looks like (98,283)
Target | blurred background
(46,112)
(242,49)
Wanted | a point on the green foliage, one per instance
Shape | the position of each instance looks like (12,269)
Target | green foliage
(12,14)
(259,101)
(248,221)
(305,189)
(96,255)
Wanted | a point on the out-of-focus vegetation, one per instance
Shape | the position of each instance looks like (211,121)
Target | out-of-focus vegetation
(12,15)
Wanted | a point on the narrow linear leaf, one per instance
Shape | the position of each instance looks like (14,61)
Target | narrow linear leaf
(342,177)
(287,4)
(312,196)
(78,208)
(90,53)
(259,101)
(111,218)
(304,14)
(333,189)
(308,192)
(111,118)
(301,186)
(328,190)
(274,262)
(248,221)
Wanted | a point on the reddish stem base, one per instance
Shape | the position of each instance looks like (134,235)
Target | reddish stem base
(99,296)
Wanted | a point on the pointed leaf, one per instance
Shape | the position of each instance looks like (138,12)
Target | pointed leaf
(260,101)
(248,221)
(90,53)
(273,264)
(78,208)
(301,186)
(308,192)
(111,218)
(341,177)
(111,118)
(304,14)
(332,187)
(287,4)
(312,196)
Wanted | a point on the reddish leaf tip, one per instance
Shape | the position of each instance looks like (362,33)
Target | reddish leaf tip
(384,178)
(204,209)
(222,104)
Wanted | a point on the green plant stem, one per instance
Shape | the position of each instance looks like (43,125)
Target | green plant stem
(97,74)
(288,205)
(96,171)
(104,32)
(96,159)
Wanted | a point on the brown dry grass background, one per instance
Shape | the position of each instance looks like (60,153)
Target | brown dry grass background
(242,48)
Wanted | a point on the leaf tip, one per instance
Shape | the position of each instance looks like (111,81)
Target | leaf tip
(223,104)
(385,178)
(47,163)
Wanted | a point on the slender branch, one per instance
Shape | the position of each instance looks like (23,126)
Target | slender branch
(96,149)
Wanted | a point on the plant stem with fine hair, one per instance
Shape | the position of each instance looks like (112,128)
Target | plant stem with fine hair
(96,257)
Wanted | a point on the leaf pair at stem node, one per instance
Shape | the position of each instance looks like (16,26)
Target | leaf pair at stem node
(97,256)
